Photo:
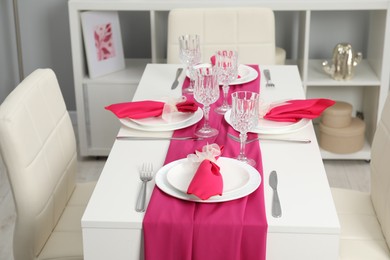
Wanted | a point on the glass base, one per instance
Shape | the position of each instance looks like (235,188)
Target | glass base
(206,132)
(222,109)
(246,160)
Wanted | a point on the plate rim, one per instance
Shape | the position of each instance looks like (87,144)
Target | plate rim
(136,121)
(163,185)
(247,175)
(253,74)
(198,115)
(298,126)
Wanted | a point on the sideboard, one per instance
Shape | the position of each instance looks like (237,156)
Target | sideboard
(97,128)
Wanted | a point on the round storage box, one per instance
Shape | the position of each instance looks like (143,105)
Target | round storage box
(338,115)
(348,139)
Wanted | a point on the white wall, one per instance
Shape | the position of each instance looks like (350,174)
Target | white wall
(9,76)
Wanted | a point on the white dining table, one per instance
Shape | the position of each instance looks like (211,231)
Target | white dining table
(308,229)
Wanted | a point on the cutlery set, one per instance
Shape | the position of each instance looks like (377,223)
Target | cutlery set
(146,175)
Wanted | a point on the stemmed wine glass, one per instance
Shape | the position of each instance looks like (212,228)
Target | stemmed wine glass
(206,92)
(227,66)
(244,116)
(190,55)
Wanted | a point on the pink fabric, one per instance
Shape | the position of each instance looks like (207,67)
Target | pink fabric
(294,110)
(207,181)
(147,108)
(184,230)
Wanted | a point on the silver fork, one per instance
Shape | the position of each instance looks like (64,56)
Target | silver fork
(267,75)
(146,175)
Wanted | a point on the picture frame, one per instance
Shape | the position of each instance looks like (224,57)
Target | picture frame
(102,42)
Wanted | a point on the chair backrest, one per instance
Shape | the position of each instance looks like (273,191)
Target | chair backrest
(250,31)
(380,171)
(38,147)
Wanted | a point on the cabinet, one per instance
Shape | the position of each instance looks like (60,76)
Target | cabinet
(308,31)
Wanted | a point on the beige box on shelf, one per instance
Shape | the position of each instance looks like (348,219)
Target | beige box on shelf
(338,115)
(344,140)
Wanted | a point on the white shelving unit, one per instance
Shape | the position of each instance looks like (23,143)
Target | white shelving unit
(97,128)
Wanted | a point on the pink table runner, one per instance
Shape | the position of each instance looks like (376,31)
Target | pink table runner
(184,230)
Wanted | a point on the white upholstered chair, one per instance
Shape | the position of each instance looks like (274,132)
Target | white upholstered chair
(249,30)
(38,147)
(365,217)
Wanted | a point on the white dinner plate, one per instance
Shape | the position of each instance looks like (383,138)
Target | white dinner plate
(178,118)
(239,179)
(246,73)
(265,126)
(194,118)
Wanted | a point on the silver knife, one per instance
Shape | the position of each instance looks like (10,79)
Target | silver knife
(273,182)
(144,138)
(264,138)
(176,81)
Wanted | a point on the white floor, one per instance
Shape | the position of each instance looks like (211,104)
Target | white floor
(343,174)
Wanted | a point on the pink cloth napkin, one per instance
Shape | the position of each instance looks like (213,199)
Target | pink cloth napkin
(294,110)
(232,230)
(147,108)
(207,180)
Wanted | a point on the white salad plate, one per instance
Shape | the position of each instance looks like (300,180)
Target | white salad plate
(246,73)
(176,119)
(158,124)
(265,126)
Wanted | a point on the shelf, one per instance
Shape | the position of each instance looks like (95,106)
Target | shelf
(364,75)
(363,154)
(130,75)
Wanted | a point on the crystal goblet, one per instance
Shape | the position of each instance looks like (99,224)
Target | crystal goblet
(189,55)
(206,92)
(244,116)
(226,62)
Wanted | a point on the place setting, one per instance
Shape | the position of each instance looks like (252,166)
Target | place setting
(157,116)
(287,116)
(206,177)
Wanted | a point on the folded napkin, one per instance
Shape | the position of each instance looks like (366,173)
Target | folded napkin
(294,110)
(149,108)
(207,180)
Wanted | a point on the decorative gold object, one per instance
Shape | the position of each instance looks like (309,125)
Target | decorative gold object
(344,60)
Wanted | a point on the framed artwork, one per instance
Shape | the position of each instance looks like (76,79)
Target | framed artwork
(102,42)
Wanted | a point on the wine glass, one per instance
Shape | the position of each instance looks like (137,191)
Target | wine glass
(244,116)
(206,92)
(227,66)
(189,55)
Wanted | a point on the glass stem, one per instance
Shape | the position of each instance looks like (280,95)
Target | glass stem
(192,77)
(206,110)
(243,137)
(225,89)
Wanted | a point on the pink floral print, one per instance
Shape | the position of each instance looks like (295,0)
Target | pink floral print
(104,42)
